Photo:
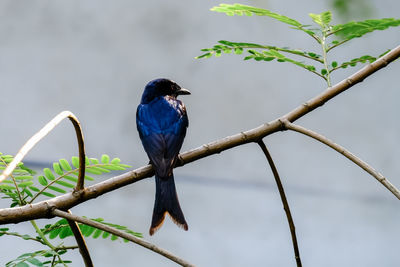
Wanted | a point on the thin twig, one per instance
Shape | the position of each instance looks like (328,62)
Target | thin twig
(284,202)
(83,249)
(365,166)
(25,237)
(42,133)
(134,239)
(69,200)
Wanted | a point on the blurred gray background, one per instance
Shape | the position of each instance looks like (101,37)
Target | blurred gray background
(94,58)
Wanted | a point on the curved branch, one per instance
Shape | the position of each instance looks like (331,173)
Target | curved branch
(40,135)
(69,200)
(284,202)
(362,164)
(81,242)
(134,239)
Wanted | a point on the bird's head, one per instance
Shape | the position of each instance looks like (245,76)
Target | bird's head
(162,87)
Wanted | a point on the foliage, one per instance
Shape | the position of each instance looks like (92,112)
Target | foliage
(22,189)
(321,30)
(62,230)
(24,186)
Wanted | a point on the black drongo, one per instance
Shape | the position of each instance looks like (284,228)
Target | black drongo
(162,121)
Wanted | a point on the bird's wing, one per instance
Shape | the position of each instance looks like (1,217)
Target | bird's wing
(174,138)
(162,146)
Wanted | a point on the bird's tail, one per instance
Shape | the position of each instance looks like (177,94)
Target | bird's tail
(166,202)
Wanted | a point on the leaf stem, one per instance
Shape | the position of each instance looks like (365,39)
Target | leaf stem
(42,236)
(336,45)
(25,237)
(324,54)
(290,52)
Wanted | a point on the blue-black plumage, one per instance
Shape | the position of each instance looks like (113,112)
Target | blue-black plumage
(161,120)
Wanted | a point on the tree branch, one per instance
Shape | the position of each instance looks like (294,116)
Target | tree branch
(134,239)
(83,249)
(284,201)
(64,202)
(40,135)
(344,152)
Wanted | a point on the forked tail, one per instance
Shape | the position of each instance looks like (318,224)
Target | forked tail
(166,202)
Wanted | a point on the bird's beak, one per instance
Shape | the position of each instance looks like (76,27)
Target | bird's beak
(183,91)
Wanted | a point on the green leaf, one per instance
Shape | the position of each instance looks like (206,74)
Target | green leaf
(206,55)
(25,177)
(326,17)
(75,162)
(62,230)
(89,178)
(23,167)
(34,261)
(88,231)
(54,233)
(334,64)
(105,159)
(57,168)
(240,9)
(125,165)
(47,194)
(42,180)
(25,184)
(355,61)
(310,68)
(26,237)
(65,165)
(94,161)
(238,50)
(322,19)
(324,71)
(65,232)
(113,167)
(49,174)
(71,178)
(7,187)
(33,188)
(21,264)
(63,183)
(57,189)
(355,29)
(94,170)
(105,234)
(97,233)
(115,161)
(384,53)
(27,191)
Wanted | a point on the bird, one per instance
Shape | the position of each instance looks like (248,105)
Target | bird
(162,121)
